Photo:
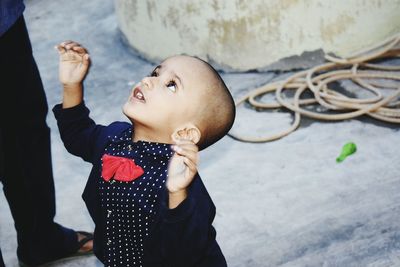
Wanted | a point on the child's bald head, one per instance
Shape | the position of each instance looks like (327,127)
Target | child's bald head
(184,97)
(217,113)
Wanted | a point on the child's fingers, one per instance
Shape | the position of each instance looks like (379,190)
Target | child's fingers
(79,49)
(66,43)
(184,141)
(70,44)
(74,46)
(187,143)
(191,165)
(86,60)
(192,155)
(62,44)
(60,49)
(181,148)
(188,146)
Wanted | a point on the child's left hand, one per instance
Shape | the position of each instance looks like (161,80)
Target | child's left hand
(182,166)
(74,63)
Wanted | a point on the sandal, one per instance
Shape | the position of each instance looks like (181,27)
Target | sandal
(80,244)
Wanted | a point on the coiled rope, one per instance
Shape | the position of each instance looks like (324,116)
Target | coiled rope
(357,68)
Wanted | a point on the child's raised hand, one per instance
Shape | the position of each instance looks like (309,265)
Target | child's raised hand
(74,62)
(182,166)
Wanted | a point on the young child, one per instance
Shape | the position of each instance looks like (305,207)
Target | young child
(144,193)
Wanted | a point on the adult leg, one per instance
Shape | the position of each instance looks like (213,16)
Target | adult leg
(1,261)
(1,175)
(28,179)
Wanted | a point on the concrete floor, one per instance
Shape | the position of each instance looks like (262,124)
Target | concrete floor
(282,203)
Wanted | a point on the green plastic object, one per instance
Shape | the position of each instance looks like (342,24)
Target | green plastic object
(347,150)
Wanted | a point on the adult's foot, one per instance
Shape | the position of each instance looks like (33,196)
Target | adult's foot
(84,247)
(85,241)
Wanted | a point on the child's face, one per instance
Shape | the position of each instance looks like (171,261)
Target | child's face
(171,96)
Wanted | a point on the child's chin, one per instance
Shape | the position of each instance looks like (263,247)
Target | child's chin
(130,113)
(128,110)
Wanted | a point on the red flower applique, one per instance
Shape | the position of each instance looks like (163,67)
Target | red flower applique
(122,169)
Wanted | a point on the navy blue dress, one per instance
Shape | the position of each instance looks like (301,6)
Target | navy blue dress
(133,224)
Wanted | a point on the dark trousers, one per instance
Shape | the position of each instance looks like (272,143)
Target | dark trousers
(25,155)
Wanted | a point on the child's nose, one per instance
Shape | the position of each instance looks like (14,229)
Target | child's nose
(148,82)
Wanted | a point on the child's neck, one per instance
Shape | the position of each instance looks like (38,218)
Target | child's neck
(144,133)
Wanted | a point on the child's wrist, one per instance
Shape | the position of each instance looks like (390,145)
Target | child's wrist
(176,197)
(177,191)
(72,86)
(72,95)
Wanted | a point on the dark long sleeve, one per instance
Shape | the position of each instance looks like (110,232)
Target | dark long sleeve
(77,130)
(184,236)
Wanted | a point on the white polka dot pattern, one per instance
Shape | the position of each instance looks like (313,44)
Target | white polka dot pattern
(129,207)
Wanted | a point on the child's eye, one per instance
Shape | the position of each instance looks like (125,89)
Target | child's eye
(171,86)
(153,73)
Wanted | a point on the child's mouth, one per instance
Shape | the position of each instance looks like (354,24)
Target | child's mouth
(138,94)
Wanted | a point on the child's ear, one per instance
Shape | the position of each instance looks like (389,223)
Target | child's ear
(189,132)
